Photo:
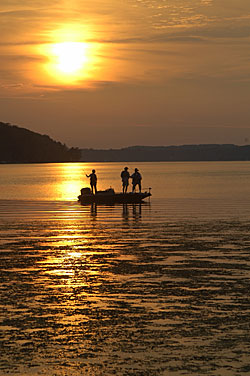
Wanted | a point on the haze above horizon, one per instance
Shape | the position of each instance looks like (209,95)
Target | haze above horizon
(110,74)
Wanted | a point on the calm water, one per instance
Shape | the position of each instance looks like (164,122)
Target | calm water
(154,289)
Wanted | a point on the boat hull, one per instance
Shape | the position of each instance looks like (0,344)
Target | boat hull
(116,198)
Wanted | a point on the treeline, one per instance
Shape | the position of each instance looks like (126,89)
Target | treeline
(203,152)
(20,145)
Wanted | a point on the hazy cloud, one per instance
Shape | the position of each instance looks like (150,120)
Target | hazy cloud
(159,66)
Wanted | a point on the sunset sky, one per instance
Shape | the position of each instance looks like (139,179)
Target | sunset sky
(117,73)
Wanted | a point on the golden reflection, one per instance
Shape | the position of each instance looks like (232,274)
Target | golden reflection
(69,190)
(71,182)
(77,251)
(70,58)
(74,254)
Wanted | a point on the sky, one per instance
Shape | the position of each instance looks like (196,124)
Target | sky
(118,73)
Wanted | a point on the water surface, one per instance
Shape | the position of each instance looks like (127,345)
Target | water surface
(154,289)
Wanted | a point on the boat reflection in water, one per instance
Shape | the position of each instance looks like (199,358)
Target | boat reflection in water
(128,211)
(136,211)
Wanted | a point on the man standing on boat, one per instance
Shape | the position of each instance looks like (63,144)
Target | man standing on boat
(125,179)
(93,181)
(136,180)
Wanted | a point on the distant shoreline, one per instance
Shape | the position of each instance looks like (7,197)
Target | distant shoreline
(183,153)
(20,145)
(131,161)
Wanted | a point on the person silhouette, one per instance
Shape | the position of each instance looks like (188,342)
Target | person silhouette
(125,179)
(93,181)
(136,180)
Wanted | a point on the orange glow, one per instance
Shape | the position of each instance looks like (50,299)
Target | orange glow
(69,62)
(73,181)
(70,59)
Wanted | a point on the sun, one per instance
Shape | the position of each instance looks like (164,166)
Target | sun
(69,57)
(72,56)
(69,62)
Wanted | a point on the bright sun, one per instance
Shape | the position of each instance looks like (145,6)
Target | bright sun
(69,62)
(69,57)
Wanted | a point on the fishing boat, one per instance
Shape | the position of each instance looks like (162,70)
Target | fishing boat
(110,197)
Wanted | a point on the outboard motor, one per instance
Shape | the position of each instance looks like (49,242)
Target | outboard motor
(85,191)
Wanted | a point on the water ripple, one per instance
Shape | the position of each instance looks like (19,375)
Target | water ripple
(122,290)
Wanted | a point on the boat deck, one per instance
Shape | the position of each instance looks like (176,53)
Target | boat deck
(106,198)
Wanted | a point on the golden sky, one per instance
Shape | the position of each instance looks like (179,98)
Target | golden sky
(113,73)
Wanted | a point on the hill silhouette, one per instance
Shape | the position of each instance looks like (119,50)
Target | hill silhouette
(203,152)
(20,145)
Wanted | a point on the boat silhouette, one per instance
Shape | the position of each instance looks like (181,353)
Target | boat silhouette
(109,196)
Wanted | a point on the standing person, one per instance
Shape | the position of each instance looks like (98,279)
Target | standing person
(136,180)
(93,181)
(125,179)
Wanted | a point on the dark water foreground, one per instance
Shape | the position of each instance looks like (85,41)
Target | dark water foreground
(123,290)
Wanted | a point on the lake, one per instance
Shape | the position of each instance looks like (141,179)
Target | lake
(160,288)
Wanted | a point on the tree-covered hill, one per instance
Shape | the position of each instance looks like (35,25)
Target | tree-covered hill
(20,145)
(206,152)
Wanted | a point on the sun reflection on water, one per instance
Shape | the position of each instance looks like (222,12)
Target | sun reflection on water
(123,295)
(69,187)
(75,252)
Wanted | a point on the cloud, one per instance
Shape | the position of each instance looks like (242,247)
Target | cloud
(12,86)
(20,58)
(20,13)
